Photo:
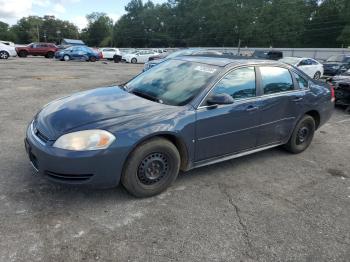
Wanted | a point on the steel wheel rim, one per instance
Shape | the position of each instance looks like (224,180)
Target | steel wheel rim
(153,168)
(303,135)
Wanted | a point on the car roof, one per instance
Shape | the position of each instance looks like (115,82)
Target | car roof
(224,61)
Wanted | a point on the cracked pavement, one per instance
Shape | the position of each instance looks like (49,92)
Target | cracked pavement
(270,206)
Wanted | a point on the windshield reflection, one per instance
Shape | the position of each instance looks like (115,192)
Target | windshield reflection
(174,82)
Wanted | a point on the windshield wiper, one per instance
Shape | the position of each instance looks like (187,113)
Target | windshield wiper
(147,96)
(123,87)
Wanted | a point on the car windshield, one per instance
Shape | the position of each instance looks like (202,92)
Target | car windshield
(335,58)
(290,60)
(174,82)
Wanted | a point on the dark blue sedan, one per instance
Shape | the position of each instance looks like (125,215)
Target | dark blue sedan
(83,53)
(185,113)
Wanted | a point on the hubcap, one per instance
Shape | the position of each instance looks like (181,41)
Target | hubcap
(3,55)
(153,168)
(303,135)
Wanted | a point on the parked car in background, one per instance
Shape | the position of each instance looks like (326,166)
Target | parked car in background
(341,85)
(139,56)
(335,64)
(83,53)
(267,54)
(185,113)
(37,49)
(155,60)
(109,52)
(309,66)
(7,43)
(7,51)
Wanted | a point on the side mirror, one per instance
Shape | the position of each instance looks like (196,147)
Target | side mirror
(220,99)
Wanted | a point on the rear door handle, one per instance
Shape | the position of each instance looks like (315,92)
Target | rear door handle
(251,108)
(297,99)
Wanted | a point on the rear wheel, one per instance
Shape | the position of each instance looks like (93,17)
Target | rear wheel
(50,55)
(4,55)
(92,59)
(134,61)
(22,53)
(151,168)
(317,75)
(302,135)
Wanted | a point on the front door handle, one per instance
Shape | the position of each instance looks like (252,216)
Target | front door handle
(251,108)
(297,99)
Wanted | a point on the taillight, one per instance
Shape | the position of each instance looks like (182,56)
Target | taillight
(332,92)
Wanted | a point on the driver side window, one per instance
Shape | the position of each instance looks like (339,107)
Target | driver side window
(239,84)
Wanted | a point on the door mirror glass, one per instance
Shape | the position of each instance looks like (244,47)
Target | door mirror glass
(220,99)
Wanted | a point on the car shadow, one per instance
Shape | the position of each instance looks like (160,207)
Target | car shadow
(38,188)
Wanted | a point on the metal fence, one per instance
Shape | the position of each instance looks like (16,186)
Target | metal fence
(316,53)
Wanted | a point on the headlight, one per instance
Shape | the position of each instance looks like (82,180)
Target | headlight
(85,140)
(336,67)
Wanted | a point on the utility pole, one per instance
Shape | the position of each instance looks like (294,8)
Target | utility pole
(239,47)
(37,30)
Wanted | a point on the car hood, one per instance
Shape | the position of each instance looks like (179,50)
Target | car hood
(87,109)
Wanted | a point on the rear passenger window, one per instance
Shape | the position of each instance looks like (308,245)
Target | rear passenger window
(239,84)
(302,82)
(276,79)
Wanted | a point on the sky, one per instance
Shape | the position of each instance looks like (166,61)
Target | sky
(71,10)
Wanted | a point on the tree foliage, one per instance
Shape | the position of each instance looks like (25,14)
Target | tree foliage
(99,30)
(49,29)
(178,23)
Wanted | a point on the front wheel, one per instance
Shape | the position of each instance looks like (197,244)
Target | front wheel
(134,61)
(4,55)
(317,75)
(22,53)
(151,168)
(92,59)
(302,135)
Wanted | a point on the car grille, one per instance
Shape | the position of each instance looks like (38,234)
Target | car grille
(68,177)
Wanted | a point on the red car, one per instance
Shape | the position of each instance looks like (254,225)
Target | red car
(37,49)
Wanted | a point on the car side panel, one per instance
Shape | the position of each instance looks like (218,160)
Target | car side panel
(278,114)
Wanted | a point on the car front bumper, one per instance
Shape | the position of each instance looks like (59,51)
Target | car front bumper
(100,168)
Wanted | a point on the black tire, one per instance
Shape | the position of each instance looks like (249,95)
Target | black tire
(134,60)
(117,58)
(317,75)
(302,135)
(22,53)
(151,168)
(92,59)
(4,55)
(50,55)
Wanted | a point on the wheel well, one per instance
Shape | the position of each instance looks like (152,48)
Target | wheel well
(181,147)
(316,116)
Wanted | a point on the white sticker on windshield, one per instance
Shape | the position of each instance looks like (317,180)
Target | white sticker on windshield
(205,69)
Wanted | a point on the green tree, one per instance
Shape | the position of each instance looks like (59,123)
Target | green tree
(99,30)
